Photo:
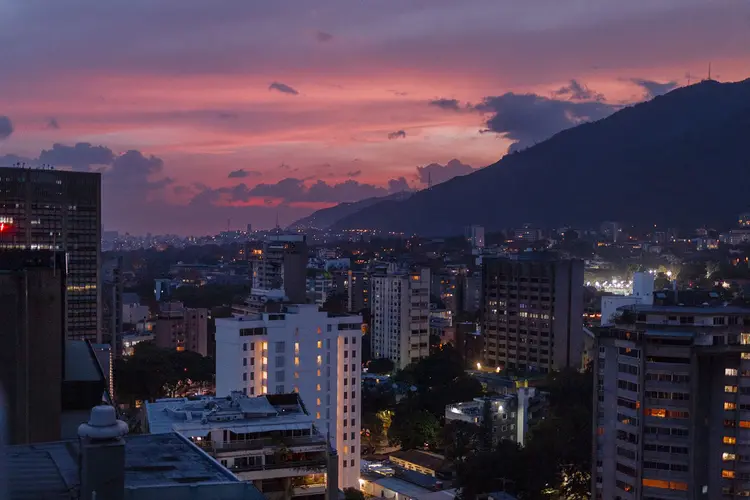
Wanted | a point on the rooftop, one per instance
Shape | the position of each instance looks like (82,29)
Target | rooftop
(424,459)
(51,470)
(712,310)
(241,414)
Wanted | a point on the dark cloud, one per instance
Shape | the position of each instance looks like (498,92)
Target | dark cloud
(6,127)
(81,156)
(292,190)
(242,173)
(529,118)
(448,104)
(354,173)
(282,87)
(398,185)
(180,190)
(577,91)
(396,135)
(323,37)
(653,88)
(133,163)
(52,123)
(435,173)
(11,160)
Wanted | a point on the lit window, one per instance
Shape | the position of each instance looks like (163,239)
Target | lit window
(745,424)
(265,375)
(729,474)
(317,415)
(730,372)
(296,389)
(728,457)
(745,355)
(744,338)
(320,362)
(317,387)
(296,361)
(729,440)
(656,412)
(670,485)
(730,388)
(296,347)
(265,390)
(320,344)
(317,401)
(265,345)
(296,374)
(318,373)
(729,406)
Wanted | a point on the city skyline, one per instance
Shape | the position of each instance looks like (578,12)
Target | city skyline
(252,111)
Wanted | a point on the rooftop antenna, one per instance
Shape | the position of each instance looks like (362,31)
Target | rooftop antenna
(277,218)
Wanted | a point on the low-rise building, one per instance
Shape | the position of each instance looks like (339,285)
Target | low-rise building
(512,413)
(182,328)
(270,441)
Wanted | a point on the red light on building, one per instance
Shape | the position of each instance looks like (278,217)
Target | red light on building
(5,226)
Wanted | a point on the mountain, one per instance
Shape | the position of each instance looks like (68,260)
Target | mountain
(326,217)
(681,159)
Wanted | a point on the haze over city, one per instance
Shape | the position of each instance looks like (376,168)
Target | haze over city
(251,111)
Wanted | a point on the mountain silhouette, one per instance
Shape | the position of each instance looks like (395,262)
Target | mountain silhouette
(681,159)
(326,217)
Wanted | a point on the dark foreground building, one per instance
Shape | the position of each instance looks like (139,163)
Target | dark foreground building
(58,210)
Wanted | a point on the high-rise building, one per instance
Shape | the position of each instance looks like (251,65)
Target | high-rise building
(400,310)
(358,291)
(59,210)
(304,350)
(279,270)
(672,404)
(182,328)
(475,236)
(532,312)
(112,309)
(32,315)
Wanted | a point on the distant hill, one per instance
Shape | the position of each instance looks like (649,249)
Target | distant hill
(326,217)
(682,159)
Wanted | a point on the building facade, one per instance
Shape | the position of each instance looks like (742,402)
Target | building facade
(358,291)
(279,268)
(182,328)
(672,404)
(270,441)
(112,307)
(61,211)
(32,315)
(306,351)
(532,312)
(400,309)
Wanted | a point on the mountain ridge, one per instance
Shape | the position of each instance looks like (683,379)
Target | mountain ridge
(622,167)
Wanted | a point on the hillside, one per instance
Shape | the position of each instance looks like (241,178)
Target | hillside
(326,217)
(682,159)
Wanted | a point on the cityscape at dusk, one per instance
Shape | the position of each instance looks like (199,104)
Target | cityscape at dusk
(254,110)
(374,250)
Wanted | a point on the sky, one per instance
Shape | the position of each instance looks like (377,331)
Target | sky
(206,115)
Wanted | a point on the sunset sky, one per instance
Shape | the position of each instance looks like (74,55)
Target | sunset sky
(202,111)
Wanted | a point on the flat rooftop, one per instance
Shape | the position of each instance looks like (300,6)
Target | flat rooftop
(198,417)
(50,470)
(714,310)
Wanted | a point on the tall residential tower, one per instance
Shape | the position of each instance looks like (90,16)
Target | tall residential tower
(61,211)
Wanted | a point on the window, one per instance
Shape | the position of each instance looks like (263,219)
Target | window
(730,372)
(728,474)
(670,485)
(244,346)
(281,376)
(252,346)
(296,361)
(244,377)
(280,389)
(280,346)
(317,402)
(317,415)
(317,387)
(728,457)
(730,388)
(296,374)
(346,340)
(280,361)
(729,440)
(354,340)
(244,361)
(320,344)
(729,406)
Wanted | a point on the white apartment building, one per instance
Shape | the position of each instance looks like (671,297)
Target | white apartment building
(270,441)
(303,350)
(400,307)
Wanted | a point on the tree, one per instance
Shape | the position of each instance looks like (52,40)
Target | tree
(485,429)
(459,439)
(353,494)
(414,429)
(380,366)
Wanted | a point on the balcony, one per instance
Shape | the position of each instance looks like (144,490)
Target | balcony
(312,464)
(260,443)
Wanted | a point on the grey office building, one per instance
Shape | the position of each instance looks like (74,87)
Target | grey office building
(532,307)
(672,404)
(44,209)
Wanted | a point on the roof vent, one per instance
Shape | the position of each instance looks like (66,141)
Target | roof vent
(103,424)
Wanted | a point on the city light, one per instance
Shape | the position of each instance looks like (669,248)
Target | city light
(479,366)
